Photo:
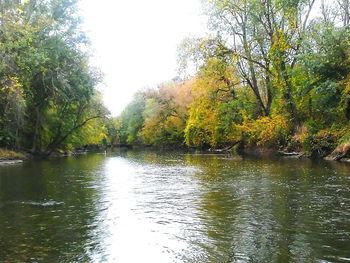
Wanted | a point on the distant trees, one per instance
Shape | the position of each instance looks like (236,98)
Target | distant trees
(156,117)
(132,120)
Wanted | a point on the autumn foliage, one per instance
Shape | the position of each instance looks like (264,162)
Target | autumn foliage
(273,74)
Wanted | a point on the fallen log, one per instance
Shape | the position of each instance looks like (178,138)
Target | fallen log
(289,153)
(226,149)
(340,153)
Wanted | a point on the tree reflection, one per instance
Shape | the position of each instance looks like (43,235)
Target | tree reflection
(270,211)
(36,225)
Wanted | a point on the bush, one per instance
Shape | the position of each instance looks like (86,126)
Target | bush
(322,143)
(6,155)
(7,139)
(271,132)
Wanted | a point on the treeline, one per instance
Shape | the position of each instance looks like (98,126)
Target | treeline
(48,96)
(272,74)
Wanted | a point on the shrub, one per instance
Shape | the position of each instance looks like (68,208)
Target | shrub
(322,143)
(6,154)
(268,132)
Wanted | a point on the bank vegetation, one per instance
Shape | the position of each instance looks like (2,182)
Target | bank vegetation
(271,74)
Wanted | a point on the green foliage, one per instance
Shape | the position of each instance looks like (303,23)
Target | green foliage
(344,136)
(157,117)
(113,127)
(271,77)
(292,92)
(326,61)
(214,108)
(132,120)
(322,143)
(46,85)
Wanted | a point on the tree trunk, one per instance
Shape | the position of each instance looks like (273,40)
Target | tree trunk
(37,131)
(288,94)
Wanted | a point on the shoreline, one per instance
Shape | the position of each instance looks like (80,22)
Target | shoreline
(10,162)
(10,157)
(335,156)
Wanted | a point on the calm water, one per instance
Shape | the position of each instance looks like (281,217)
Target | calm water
(148,207)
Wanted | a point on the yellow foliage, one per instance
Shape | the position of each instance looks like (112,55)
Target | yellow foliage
(301,134)
(212,87)
(6,154)
(280,42)
(201,124)
(265,131)
(165,113)
(92,133)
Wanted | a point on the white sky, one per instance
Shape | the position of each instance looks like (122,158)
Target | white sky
(135,42)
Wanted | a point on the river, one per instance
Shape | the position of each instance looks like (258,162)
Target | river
(172,207)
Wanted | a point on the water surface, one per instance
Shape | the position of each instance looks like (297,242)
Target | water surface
(172,207)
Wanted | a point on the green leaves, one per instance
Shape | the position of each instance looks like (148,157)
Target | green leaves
(41,45)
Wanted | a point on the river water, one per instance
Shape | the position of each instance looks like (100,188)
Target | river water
(172,207)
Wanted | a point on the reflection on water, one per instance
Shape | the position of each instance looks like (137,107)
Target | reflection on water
(168,207)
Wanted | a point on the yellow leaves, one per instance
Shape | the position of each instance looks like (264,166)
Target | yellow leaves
(200,125)
(7,154)
(344,105)
(203,119)
(13,90)
(265,131)
(150,130)
(280,44)
(12,83)
(292,18)
(93,132)
(301,134)
(165,114)
(347,86)
(211,89)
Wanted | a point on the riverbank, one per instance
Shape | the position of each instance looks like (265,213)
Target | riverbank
(261,152)
(11,157)
(14,157)
(338,154)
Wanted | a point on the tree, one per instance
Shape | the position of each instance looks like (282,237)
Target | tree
(12,107)
(166,113)
(132,119)
(344,10)
(42,53)
(265,36)
(215,107)
(326,62)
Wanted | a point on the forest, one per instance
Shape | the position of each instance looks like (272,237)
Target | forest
(48,94)
(270,74)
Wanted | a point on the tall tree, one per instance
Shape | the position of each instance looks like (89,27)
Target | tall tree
(265,36)
(43,50)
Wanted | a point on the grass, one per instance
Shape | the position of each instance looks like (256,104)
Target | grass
(10,155)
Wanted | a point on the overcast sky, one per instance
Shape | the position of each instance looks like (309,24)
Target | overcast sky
(135,42)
